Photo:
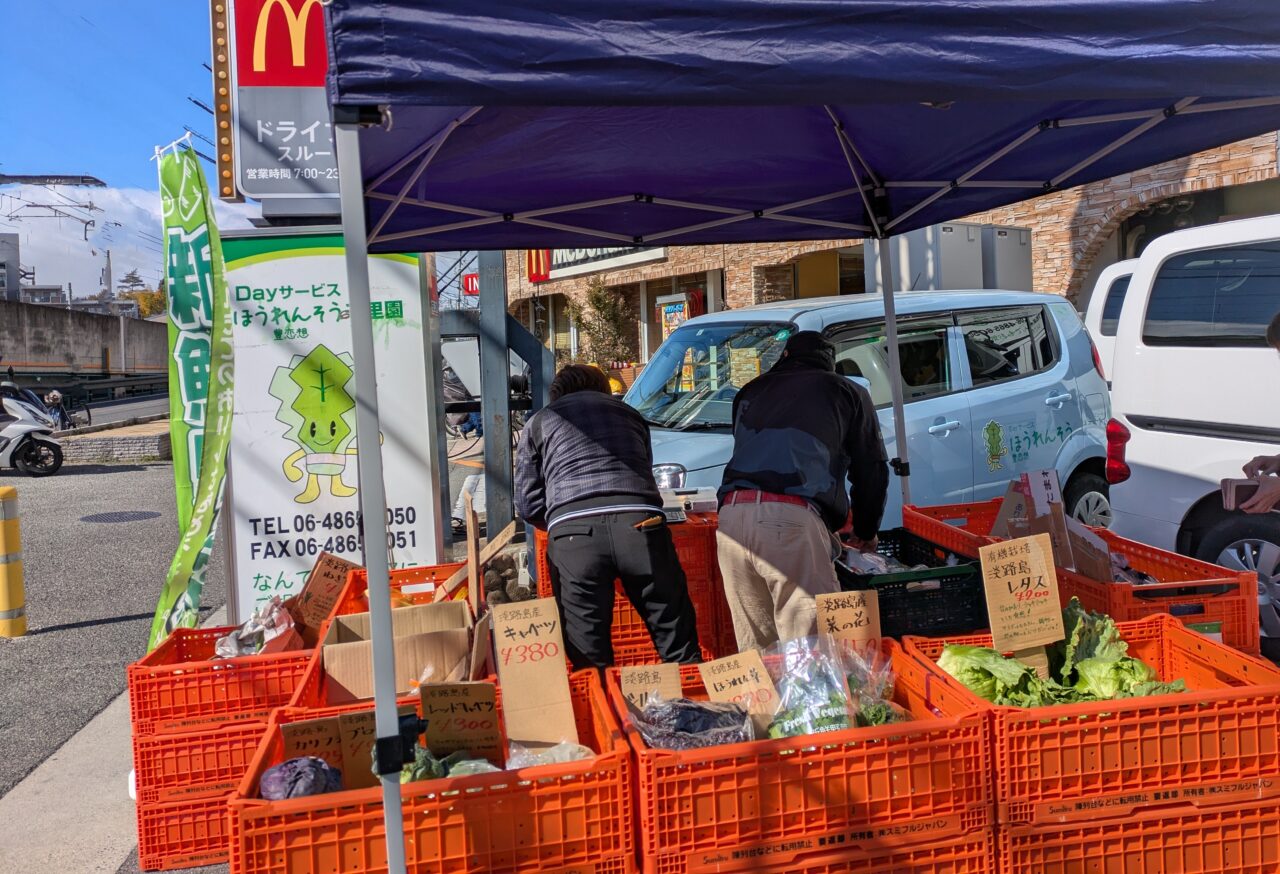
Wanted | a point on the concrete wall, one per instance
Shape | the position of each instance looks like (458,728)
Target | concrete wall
(9,266)
(39,339)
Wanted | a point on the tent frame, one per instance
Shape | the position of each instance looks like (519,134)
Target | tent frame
(870,188)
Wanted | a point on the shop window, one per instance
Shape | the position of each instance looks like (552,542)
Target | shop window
(1007,344)
(923,347)
(852,278)
(1215,297)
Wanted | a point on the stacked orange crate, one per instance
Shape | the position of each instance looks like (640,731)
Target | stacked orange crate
(911,797)
(695,542)
(570,817)
(1183,782)
(196,722)
(1193,591)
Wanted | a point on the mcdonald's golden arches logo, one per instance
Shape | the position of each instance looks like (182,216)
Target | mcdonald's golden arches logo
(280,43)
(538,265)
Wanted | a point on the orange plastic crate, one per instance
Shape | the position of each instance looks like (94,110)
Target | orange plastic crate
(179,686)
(1193,591)
(181,767)
(183,835)
(1238,839)
(573,817)
(414,584)
(971,853)
(777,801)
(961,528)
(1217,743)
(695,543)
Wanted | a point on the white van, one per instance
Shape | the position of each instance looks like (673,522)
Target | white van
(996,383)
(1103,315)
(1196,394)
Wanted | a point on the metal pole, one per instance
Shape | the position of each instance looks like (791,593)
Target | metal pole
(901,464)
(437,449)
(495,391)
(373,497)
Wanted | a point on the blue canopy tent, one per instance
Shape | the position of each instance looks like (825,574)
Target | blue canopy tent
(575,122)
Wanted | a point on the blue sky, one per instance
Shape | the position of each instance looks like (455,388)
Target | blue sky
(93,87)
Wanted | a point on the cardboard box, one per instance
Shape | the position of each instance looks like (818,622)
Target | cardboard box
(436,636)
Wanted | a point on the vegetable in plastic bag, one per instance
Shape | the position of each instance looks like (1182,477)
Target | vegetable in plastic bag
(519,756)
(878,711)
(812,692)
(682,724)
(298,778)
(268,621)
(426,766)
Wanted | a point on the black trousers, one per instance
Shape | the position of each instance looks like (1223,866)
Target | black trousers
(587,554)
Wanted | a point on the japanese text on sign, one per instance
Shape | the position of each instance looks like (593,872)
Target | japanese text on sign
(850,616)
(742,679)
(639,684)
(462,717)
(1022,593)
(536,704)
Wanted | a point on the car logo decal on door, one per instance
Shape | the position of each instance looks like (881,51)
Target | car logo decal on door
(993,436)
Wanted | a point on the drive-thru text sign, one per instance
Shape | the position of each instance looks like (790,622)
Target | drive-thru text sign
(284,140)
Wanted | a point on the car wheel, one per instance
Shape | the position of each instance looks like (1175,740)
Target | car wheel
(1250,543)
(1087,499)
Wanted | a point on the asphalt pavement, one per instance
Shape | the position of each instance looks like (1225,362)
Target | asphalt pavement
(91,590)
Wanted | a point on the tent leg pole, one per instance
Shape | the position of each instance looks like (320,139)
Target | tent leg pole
(901,463)
(373,497)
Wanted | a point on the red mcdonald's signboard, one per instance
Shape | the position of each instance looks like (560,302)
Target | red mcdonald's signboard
(280,43)
(471,283)
(538,265)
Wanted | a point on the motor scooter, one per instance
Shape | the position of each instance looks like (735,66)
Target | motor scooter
(26,438)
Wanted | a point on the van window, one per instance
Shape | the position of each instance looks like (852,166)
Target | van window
(1007,344)
(924,349)
(1115,302)
(1215,297)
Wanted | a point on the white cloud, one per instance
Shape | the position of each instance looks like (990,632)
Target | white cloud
(126,221)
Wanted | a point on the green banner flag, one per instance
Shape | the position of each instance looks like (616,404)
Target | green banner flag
(200,381)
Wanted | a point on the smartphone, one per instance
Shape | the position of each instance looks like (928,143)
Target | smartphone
(1238,491)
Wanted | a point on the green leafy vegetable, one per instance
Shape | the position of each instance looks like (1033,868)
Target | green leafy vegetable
(1092,663)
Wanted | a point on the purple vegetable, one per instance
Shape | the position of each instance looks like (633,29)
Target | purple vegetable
(297,778)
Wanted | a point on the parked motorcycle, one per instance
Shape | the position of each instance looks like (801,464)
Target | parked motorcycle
(26,438)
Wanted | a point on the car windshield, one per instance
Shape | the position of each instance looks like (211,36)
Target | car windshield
(693,377)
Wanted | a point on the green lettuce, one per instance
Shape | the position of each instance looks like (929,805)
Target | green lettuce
(1091,663)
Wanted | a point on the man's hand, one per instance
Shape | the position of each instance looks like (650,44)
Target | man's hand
(1266,498)
(1263,465)
(870,545)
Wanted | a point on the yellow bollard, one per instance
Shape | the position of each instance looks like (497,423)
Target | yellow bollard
(13,599)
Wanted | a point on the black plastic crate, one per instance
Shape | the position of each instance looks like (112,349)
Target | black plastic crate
(932,602)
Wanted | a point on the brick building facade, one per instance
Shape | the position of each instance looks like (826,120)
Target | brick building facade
(1075,234)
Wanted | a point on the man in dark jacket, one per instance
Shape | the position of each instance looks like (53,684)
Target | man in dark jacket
(584,472)
(798,432)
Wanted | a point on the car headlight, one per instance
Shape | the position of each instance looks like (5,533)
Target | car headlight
(669,476)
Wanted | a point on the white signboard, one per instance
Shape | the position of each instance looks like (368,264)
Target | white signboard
(294,480)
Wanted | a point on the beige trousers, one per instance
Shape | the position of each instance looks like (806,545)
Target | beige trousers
(774,559)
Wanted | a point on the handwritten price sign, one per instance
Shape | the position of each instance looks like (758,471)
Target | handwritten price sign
(462,716)
(1021,584)
(536,704)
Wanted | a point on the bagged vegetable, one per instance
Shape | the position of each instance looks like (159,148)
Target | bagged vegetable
(426,766)
(519,756)
(298,778)
(682,724)
(869,673)
(813,695)
(268,622)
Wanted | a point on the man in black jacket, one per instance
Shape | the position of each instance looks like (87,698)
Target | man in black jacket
(584,472)
(798,432)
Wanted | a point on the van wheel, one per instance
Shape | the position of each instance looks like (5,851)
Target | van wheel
(1087,499)
(1249,543)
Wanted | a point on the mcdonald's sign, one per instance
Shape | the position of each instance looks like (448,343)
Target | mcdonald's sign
(538,265)
(280,43)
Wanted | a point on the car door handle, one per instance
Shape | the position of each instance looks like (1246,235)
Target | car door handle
(943,428)
(1057,400)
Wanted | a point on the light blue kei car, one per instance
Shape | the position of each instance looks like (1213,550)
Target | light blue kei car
(995,383)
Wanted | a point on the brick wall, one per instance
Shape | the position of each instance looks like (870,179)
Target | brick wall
(1070,227)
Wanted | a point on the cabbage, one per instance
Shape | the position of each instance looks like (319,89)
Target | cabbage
(297,778)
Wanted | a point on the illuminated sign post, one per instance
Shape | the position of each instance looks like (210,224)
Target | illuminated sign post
(280,113)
